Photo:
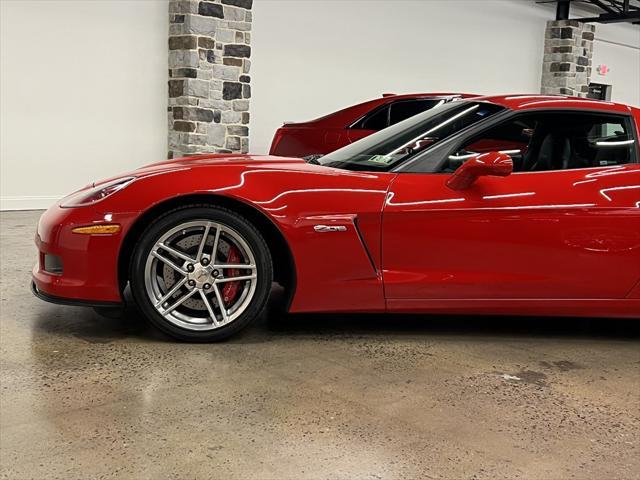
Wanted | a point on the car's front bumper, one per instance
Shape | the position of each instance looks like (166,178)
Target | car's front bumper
(89,263)
(70,301)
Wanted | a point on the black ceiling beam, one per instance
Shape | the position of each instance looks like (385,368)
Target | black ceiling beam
(616,11)
(603,6)
(631,17)
(562,10)
(626,5)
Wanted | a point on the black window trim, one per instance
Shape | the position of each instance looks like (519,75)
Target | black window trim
(448,147)
(371,113)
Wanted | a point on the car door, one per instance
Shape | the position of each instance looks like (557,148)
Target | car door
(564,225)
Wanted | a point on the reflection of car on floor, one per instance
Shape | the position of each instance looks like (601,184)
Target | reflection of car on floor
(326,134)
(524,205)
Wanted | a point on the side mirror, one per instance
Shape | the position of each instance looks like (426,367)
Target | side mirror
(491,163)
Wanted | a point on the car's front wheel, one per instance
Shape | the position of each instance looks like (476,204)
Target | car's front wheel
(201,273)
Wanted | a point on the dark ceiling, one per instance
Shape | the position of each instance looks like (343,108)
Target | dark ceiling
(604,11)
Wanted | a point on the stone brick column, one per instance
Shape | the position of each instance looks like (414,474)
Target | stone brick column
(209,83)
(568,49)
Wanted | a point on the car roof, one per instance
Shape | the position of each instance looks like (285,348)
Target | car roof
(531,102)
(350,114)
(397,96)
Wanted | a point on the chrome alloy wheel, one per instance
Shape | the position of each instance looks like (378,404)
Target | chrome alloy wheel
(201,275)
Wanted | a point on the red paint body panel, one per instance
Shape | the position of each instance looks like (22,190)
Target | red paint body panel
(546,235)
(328,133)
(333,272)
(635,293)
(544,243)
(89,261)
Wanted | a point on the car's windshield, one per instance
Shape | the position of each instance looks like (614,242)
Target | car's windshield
(390,147)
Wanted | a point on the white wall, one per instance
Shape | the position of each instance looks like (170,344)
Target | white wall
(83,83)
(83,94)
(618,47)
(311,57)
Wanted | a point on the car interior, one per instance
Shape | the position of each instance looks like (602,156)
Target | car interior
(553,141)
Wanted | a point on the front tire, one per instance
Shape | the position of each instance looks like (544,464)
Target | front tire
(201,273)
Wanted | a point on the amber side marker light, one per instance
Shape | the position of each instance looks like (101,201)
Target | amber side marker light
(110,229)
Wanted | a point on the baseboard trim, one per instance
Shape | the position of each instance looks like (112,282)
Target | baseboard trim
(28,202)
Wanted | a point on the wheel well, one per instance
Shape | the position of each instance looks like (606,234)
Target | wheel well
(283,263)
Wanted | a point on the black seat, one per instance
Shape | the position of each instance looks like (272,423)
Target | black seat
(551,151)
(611,155)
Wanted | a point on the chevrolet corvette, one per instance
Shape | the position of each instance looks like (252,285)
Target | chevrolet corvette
(504,205)
(338,129)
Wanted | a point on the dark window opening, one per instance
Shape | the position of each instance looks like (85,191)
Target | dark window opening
(404,109)
(387,148)
(554,141)
(395,112)
(376,120)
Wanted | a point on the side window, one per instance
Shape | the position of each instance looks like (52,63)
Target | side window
(376,120)
(555,141)
(404,109)
(609,130)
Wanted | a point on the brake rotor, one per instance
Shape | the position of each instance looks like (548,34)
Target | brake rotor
(229,254)
(189,245)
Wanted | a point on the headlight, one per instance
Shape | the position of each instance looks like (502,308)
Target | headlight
(92,195)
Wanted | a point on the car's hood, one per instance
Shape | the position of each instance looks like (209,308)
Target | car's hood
(259,180)
(222,159)
(231,160)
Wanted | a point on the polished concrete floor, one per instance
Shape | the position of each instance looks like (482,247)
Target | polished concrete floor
(310,396)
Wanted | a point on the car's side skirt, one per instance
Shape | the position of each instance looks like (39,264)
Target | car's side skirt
(614,308)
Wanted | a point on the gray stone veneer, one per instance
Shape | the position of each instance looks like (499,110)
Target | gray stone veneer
(209,82)
(568,49)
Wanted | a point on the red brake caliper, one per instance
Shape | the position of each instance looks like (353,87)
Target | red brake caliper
(231,289)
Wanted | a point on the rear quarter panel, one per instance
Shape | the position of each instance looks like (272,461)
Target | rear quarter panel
(323,135)
(302,141)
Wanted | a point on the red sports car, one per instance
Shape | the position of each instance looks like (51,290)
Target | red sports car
(333,131)
(519,205)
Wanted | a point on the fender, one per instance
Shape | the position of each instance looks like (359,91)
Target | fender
(337,269)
